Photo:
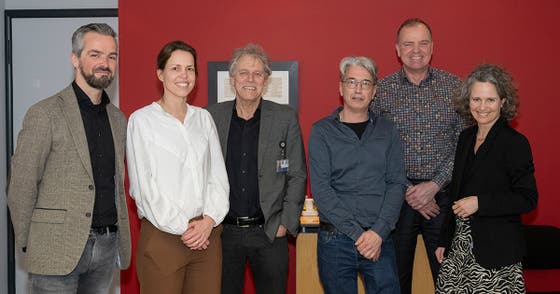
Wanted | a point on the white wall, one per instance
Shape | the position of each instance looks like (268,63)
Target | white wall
(25,4)
(59,4)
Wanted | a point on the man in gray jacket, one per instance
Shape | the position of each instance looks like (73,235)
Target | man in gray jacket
(265,161)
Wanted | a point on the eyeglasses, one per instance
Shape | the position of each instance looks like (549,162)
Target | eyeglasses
(353,83)
(244,74)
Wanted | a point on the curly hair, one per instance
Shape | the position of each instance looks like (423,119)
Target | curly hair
(497,76)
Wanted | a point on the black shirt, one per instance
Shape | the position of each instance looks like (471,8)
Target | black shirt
(242,167)
(358,128)
(102,155)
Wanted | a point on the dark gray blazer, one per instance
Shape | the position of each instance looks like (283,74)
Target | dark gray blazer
(281,194)
(51,190)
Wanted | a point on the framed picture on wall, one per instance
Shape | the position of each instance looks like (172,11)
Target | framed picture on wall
(282,85)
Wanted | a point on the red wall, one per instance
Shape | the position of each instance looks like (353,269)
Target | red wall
(520,35)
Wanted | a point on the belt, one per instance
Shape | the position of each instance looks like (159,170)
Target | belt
(327,227)
(104,230)
(244,221)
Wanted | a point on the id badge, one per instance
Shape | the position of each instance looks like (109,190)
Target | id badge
(282,165)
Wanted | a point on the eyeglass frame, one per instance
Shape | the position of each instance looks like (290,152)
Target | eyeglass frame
(352,83)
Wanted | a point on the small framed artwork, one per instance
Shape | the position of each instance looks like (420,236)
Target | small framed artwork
(282,84)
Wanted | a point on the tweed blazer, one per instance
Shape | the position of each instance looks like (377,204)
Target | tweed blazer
(281,194)
(51,190)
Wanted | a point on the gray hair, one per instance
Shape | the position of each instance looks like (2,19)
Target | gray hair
(251,49)
(78,36)
(362,61)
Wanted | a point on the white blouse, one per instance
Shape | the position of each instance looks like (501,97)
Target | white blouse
(176,171)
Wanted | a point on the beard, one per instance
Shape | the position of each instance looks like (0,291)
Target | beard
(98,83)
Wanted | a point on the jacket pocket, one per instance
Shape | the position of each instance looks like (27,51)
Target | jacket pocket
(48,215)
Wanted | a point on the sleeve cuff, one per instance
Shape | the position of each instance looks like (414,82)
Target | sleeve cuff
(439,181)
(381,229)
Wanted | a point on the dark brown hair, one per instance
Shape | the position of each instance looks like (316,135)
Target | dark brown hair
(169,48)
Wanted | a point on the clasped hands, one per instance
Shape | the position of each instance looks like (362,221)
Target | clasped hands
(421,197)
(197,233)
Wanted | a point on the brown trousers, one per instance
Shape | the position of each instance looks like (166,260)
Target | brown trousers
(165,265)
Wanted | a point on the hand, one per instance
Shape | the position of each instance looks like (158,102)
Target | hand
(439,254)
(419,195)
(281,231)
(197,233)
(465,207)
(430,210)
(369,245)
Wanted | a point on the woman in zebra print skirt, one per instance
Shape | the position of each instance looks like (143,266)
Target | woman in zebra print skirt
(493,183)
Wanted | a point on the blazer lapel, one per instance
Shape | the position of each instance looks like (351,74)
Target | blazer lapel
(483,150)
(265,130)
(463,149)
(71,112)
(118,143)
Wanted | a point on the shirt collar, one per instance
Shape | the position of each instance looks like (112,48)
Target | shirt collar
(336,115)
(404,79)
(256,115)
(85,101)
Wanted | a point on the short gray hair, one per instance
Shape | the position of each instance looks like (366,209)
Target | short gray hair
(362,61)
(253,50)
(78,36)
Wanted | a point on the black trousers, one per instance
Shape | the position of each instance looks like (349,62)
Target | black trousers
(410,224)
(268,260)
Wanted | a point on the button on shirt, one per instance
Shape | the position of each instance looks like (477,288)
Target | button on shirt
(102,155)
(357,183)
(242,165)
(176,170)
(428,124)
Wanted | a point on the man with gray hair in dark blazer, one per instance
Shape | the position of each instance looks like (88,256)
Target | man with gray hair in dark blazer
(265,162)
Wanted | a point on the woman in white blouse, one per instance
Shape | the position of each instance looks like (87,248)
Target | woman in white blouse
(179,182)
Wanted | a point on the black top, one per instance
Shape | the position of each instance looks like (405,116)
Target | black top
(358,128)
(241,165)
(467,171)
(102,155)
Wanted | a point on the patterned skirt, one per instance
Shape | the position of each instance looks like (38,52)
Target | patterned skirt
(459,272)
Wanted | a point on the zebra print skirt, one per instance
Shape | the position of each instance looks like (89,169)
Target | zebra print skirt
(459,272)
